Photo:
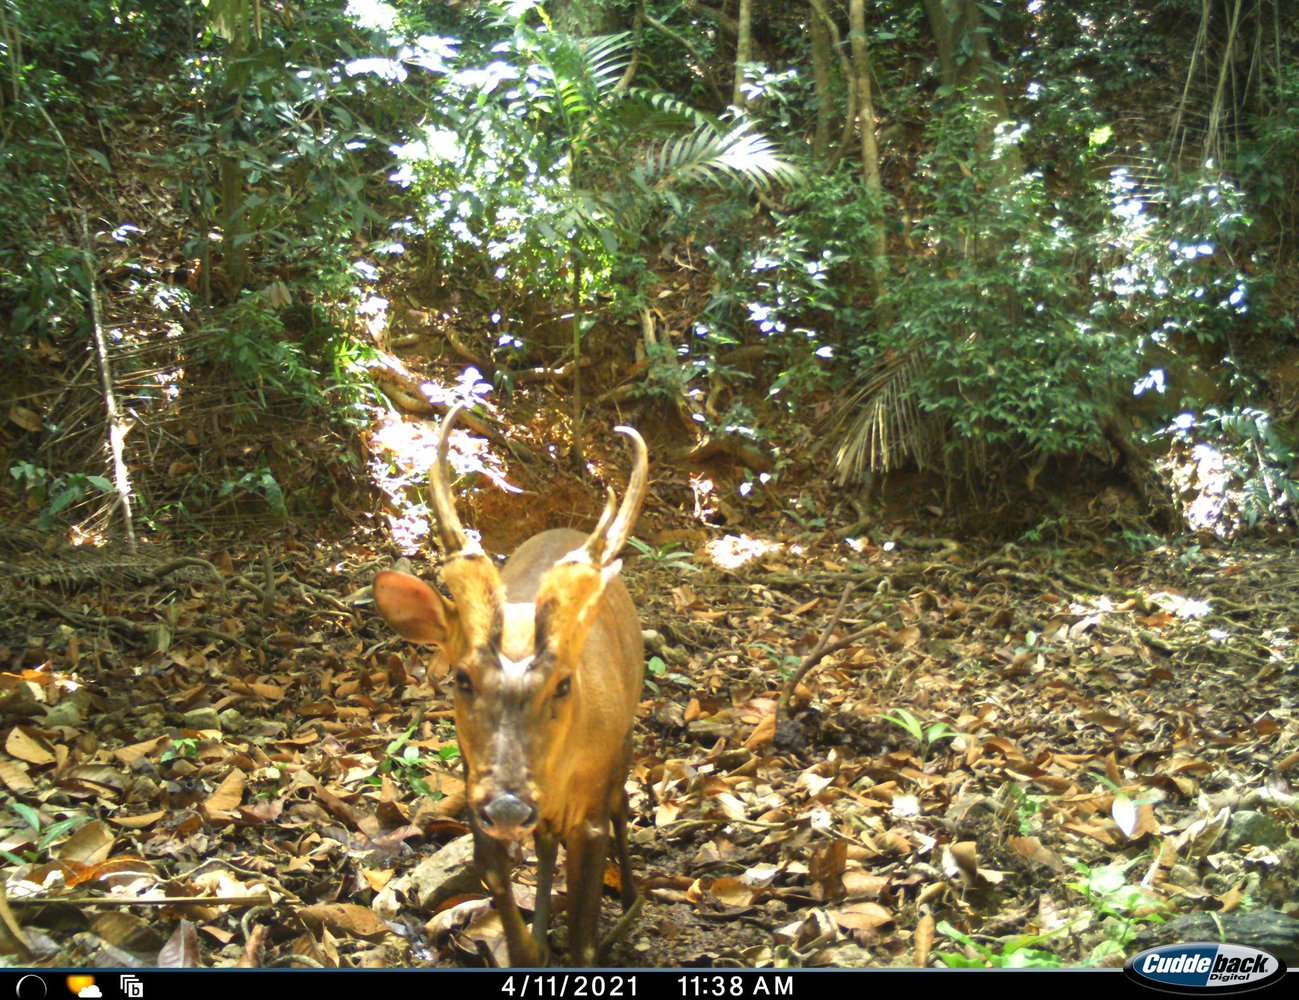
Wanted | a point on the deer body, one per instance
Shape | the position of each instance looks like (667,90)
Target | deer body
(547,661)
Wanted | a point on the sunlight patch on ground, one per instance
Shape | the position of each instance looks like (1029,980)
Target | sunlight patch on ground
(734,551)
(1186,608)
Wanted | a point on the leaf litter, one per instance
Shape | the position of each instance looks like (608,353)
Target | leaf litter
(1057,747)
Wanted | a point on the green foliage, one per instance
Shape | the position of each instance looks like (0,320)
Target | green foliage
(670,556)
(1036,316)
(1232,469)
(793,286)
(46,834)
(180,749)
(1020,952)
(405,764)
(545,172)
(928,737)
(1011,360)
(1106,46)
(1122,905)
(260,483)
(1170,276)
(1028,809)
(251,344)
(802,511)
(55,493)
(1267,161)
(656,669)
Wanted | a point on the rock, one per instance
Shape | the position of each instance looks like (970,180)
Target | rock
(449,872)
(1270,930)
(201,718)
(65,713)
(1254,829)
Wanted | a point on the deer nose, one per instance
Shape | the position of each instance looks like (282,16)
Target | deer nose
(507,813)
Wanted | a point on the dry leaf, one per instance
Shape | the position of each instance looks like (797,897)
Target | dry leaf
(222,803)
(1032,848)
(181,951)
(864,916)
(24,746)
(346,918)
(732,892)
(1124,811)
(14,777)
(90,845)
(28,420)
(140,821)
(922,941)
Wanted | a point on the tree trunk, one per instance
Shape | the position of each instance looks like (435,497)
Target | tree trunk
(943,28)
(583,18)
(743,52)
(821,62)
(870,158)
(235,27)
(950,21)
(234,248)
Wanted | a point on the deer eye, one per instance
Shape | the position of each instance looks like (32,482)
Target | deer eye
(564,687)
(464,683)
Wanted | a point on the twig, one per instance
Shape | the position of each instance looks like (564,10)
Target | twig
(168,568)
(118,425)
(820,651)
(262,899)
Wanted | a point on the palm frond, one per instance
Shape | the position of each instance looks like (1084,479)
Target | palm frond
(583,71)
(888,427)
(671,110)
(722,158)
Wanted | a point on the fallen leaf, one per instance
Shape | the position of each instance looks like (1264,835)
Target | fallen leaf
(346,918)
(90,845)
(922,941)
(22,745)
(181,950)
(223,802)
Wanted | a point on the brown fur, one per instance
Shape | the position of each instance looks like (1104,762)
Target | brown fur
(521,736)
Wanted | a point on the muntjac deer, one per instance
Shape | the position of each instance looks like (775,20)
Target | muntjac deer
(547,663)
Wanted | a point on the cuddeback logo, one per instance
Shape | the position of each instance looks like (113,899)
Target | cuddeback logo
(1204,968)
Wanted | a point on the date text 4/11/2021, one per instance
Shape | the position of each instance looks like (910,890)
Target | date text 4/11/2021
(585,986)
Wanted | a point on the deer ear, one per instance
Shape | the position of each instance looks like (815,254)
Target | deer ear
(415,610)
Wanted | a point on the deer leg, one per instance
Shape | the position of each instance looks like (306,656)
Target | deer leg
(626,876)
(547,850)
(632,901)
(493,861)
(588,848)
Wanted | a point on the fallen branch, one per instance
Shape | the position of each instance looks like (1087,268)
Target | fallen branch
(261,899)
(823,648)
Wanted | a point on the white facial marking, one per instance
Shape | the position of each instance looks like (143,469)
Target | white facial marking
(515,669)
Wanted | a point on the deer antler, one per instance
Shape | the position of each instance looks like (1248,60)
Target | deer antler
(455,542)
(612,531)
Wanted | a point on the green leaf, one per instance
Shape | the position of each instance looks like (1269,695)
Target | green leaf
(30,816)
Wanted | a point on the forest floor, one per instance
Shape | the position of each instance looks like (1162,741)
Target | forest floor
(1028,753)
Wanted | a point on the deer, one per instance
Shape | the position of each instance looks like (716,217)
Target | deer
(547,662)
